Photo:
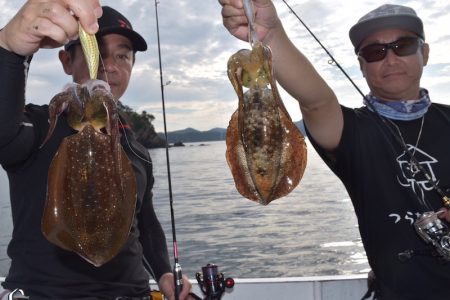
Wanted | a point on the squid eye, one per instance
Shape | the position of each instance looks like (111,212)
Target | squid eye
(246,79)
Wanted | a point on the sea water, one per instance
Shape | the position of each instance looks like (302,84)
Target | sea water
(310,232)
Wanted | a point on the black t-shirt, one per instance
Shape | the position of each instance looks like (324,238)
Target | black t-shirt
(41,269)
(387,199)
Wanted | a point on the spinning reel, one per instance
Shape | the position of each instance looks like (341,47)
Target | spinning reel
(212,283)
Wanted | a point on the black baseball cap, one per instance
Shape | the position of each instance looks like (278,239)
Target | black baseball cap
(113,21)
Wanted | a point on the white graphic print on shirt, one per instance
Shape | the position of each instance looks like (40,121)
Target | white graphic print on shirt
(410,171)
(409,178)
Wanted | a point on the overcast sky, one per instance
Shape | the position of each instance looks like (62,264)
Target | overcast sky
(195,48)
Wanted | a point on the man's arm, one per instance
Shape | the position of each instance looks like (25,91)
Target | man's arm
(38,24)
(16,134)
(320,108)
(48,24)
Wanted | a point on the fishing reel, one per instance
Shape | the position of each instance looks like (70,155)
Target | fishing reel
(435,231)
(212,283)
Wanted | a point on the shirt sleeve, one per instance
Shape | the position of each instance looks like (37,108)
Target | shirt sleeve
(17,136)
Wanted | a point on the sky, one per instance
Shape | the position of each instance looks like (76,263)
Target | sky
(195,48)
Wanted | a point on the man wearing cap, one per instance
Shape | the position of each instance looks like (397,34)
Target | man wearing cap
(38,268)
(391,154)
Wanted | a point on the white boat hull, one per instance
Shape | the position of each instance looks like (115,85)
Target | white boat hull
(301,288)
(341,287)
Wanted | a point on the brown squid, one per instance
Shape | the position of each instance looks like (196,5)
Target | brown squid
(265,150)
(91,189)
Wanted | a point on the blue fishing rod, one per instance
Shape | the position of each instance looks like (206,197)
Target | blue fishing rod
(177,272)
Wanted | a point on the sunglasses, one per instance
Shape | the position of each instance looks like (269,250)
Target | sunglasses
(402,47)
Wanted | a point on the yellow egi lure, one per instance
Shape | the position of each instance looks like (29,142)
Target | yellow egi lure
(90,50)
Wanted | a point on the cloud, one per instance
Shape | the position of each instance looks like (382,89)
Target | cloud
(195,48)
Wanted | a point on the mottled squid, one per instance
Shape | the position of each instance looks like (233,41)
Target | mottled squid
(91,190)
(265,150)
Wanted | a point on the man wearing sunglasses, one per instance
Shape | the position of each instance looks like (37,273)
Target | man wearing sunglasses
(391,154)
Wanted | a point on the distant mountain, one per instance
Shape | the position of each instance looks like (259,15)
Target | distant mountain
(190,135)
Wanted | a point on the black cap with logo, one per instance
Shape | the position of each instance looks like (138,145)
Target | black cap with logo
(114,22)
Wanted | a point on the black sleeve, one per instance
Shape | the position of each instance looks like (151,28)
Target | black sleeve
(17,136)
(152,236)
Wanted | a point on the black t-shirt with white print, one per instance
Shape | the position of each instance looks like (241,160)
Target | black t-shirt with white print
(388,198)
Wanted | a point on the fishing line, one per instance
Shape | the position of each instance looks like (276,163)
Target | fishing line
(177,267)
(122,125)
(396,136)
(129,144)
(104,69)
(333,61)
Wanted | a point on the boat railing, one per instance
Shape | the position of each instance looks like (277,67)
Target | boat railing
(334,287)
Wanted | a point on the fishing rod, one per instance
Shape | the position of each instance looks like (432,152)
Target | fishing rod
(177,273)
(212,282)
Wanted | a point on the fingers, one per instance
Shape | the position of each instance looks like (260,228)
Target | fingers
(187,286)
(234,18)
(237,3)
(87,11)
(50,20)
(232,8)
(66,15)
(167,286)
(48,24)
(444,213)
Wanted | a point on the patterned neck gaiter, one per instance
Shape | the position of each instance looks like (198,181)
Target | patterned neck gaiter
(404,110)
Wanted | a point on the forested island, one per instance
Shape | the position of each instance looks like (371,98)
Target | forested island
(145,132)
